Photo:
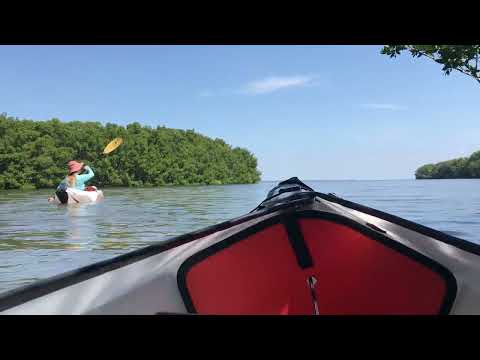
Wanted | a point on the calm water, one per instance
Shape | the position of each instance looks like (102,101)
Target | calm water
(38,239)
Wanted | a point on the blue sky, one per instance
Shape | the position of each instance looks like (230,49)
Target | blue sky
(316,112)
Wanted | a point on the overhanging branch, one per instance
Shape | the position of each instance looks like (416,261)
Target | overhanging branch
(477,78)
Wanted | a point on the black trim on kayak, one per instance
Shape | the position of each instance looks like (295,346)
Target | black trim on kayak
(293,185)
(172,314)
(295,237)
(268,203)
(375,227)
(201,255)
(443,272)
(40,288)
(422,229)
(284,186)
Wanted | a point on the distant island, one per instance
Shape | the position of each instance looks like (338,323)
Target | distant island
(460,168)
(34,155)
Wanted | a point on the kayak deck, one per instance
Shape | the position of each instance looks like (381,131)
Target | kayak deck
(313,264)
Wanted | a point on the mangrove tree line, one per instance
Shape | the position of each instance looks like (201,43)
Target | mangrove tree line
(461,168)
(34,154)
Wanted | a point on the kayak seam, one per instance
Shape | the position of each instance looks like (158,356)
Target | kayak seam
(297,242)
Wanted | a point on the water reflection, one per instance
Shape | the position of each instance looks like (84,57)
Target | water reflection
(78,228)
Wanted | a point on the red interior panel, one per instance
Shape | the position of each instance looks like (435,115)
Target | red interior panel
(355,275)
(257,275)
(358,275)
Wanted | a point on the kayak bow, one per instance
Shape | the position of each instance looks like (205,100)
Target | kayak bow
(298,252)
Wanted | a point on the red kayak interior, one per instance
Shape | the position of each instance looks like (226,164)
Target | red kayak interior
(347,272)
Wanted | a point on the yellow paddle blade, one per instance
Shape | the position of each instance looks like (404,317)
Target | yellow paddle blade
(112,145)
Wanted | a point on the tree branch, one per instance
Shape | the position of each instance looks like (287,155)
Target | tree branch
(433,58)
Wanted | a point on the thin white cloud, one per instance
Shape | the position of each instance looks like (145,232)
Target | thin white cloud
(392,107)
(275,83)
(265,86)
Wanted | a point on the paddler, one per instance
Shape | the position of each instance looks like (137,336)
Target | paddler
(74,179)
(78,175)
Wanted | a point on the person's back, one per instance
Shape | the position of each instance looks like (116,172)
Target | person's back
(80,180)
(74,179)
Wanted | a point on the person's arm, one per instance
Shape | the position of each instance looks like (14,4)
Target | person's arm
(87,176)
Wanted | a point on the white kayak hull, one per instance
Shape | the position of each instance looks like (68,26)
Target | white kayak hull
(299,252)
(80,197)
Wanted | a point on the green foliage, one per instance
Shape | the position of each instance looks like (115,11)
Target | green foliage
(463,58)
(35,154)
(452,169)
